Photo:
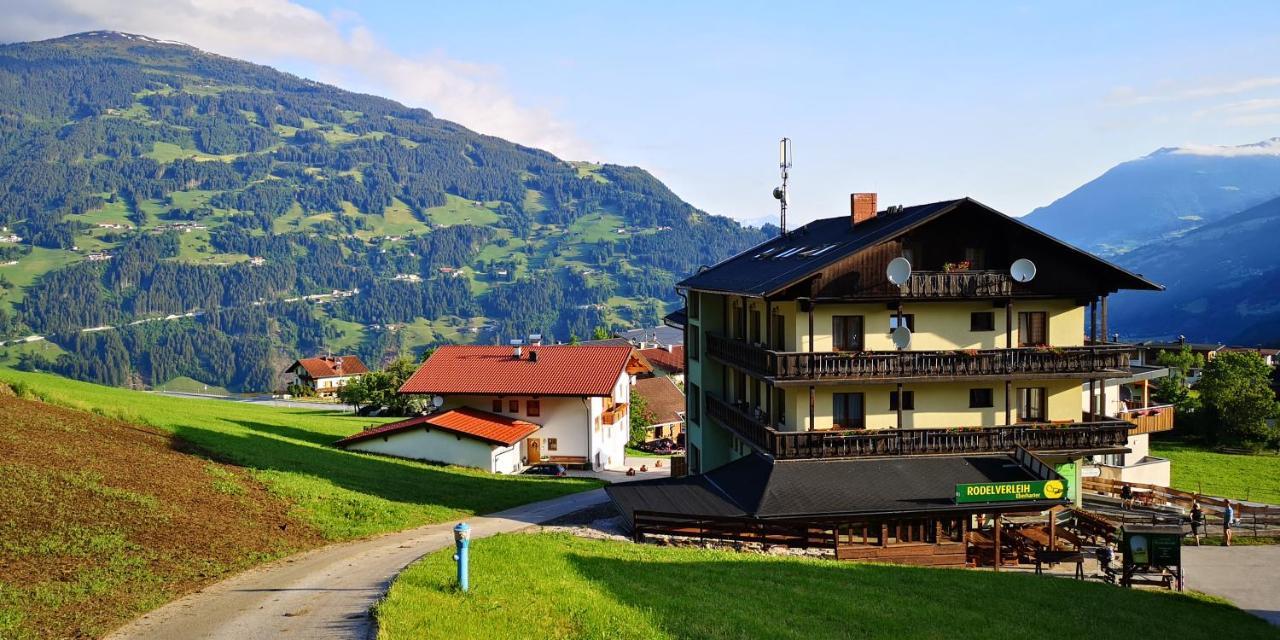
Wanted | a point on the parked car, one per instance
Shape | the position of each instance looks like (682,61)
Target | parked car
(546,469)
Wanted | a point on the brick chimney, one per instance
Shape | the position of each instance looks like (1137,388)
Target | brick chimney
(862,206)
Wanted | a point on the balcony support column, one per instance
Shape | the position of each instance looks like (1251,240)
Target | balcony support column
(813,400)
(1008,391)
(1093,339)
(1102,401)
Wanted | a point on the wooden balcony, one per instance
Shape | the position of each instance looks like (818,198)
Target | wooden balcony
(1095,436)
(614,414)
(957,284)
(892,366)
(1149,420)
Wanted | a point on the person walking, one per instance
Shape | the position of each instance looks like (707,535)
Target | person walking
(1228,519)
(1197,521)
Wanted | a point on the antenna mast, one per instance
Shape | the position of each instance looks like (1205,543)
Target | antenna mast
(784,164)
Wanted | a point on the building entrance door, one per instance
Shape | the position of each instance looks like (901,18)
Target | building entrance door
(534,447)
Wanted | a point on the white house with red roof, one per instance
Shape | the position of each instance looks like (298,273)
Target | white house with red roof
(461,436)
(576,397)
(325,374)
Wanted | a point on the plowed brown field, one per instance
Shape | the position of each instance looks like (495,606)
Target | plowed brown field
(101,520)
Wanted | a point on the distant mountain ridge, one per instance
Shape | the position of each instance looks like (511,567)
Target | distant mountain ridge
(1163,194)
(210,218)
(1222,279)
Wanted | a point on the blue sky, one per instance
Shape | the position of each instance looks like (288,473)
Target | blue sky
(1014,104)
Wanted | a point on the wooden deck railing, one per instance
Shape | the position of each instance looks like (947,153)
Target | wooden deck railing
(1149,420)
(891,365)
(1100,435)
(614,414)
(957,284)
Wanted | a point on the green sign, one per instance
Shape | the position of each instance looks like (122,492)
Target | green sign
(1153,548)
(1011,491)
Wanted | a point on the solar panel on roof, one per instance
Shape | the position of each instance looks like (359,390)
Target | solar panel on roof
(789,252)
(823,250)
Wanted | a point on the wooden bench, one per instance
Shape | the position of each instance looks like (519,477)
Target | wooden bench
(572,462)
(1059,557)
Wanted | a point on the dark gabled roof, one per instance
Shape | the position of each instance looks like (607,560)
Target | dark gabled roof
(786,260)
(761,487)
(677,319)
(830,239)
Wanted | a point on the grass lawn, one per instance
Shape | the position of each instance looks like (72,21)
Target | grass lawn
(462,211)
(636,453)
(1230,475)
(342,494)
(558,586)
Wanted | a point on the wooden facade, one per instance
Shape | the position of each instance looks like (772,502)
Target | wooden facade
(1149,420)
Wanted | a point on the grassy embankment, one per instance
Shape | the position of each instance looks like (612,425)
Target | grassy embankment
(113,510)
(1230,475)
(342,494)
(557,586)
(101,520)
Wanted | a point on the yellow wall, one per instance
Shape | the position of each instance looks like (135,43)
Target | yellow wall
(938,325)
(937,404)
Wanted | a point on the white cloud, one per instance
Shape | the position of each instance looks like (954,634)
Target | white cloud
(338,47)
(1129,96)
(1265,148)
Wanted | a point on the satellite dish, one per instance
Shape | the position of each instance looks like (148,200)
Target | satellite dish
(437,401)
(1023,270)
(902,338)
(899,271)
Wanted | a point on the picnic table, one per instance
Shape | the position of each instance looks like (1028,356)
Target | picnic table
(1060,557)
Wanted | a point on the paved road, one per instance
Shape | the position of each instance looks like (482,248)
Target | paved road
(327,592)
(263,399)
(1247,576)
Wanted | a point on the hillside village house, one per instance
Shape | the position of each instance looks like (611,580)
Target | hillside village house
(667,360)
(502,408)
(666,403)
(325,374)
(808,424)
(1129,398)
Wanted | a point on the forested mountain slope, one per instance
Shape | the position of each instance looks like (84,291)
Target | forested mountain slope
(213,219)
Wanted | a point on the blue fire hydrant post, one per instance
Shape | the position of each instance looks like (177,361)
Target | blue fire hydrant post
(462,540)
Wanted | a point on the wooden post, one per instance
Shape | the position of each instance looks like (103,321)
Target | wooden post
(995,564)
(884,534)
(1093,339)
(1104,333)
(1008,413)
(899,409)
(1146,393)
(813,400)
(1053,528)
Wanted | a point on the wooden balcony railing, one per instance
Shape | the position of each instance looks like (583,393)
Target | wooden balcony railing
(894,365)
(614,414)
(957,284)
(1149,420)
(1100,435)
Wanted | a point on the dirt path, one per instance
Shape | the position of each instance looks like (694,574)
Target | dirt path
(325,593)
